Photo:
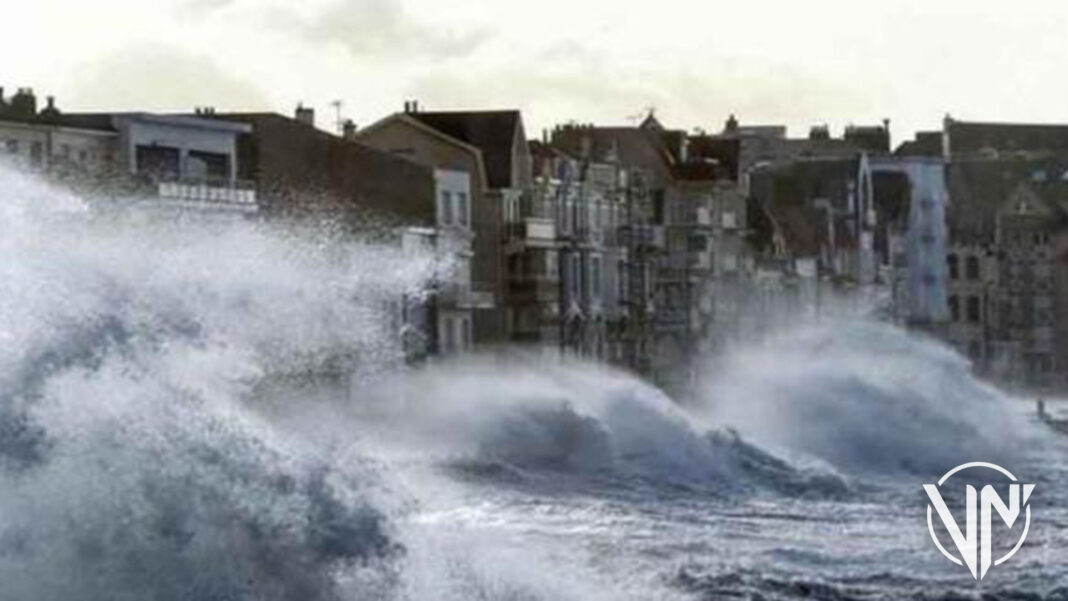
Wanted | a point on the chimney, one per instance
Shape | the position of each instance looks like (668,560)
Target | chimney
(50,112)
(587,146)
(305,115)
(731,126)
(24,103)
(348,129)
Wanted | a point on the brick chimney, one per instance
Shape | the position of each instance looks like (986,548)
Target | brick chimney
(24,103)
(348,129)
(50,112)
(305,115)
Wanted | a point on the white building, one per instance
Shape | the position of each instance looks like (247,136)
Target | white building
(920,276)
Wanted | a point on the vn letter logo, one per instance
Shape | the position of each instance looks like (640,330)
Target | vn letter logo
(974,544)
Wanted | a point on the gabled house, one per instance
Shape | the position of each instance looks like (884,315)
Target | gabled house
(490,148)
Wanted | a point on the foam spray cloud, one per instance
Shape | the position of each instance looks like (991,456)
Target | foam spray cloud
(131,466)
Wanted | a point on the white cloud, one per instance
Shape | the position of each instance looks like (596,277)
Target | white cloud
(799,63)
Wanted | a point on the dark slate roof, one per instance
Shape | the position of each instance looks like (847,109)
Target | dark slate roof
(978,187)
(1053,192)
(492,132)
(926,144)
(93,121)
(786,193)
(803,229)
(970,137)
(725,151)
(99,121)
(631,147)
(873,138)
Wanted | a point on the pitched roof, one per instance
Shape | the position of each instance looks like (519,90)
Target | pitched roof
(725,151)
(492,132)
(926,144)
(803,229)
(630,147)
(1052,193)
(973,137)
(978,188)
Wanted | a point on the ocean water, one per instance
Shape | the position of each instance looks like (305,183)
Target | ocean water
(217,411)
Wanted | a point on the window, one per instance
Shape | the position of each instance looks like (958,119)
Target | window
(973,309)
(12,146)
(971,268)
(445,208)
(461,208)
(954,308)
(158,162)
(575,273)
(449,342)
(954,267)
(595,276)
(207,165)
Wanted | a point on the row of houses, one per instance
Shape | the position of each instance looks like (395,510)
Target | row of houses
(643,246)
(1007,253)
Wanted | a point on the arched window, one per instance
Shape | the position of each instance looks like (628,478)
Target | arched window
(971,268)
(954,308)
(954,267)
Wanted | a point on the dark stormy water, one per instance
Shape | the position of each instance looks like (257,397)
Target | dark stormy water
(163,437)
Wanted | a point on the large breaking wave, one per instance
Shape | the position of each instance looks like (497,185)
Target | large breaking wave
(131,466)
(163,435)
(867,398)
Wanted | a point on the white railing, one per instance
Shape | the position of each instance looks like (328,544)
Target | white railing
(223,194)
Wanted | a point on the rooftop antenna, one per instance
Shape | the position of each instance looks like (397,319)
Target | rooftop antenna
(339,124)
(637,118)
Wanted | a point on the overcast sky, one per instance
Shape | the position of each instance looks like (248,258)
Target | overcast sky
(696,61)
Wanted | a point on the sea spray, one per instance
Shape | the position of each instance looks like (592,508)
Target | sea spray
(132,462)
(867,398)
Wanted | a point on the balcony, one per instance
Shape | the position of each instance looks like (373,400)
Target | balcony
(208,194)
(532,230)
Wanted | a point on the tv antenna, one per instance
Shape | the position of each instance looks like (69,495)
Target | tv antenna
(339,125)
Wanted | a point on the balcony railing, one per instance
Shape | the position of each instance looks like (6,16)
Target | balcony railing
(533,228)
(209,193)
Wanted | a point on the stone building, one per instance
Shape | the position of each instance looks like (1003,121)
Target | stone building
(565,263)
(1005,219)
(491,147)
(1025,297)
(644,175)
